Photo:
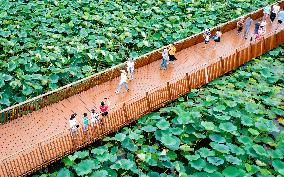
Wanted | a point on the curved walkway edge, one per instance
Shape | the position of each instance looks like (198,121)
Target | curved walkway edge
(42,137)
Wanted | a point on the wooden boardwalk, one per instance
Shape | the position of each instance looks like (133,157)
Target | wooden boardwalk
(36,127)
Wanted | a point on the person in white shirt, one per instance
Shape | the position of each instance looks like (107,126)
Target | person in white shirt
(73,125)
(130,68)
(274,12)
(123,81)
(94,117)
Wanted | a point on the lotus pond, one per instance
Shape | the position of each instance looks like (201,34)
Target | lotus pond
(50,43)
(232,127)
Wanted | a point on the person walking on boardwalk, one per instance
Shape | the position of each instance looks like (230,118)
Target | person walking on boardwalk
(104,107)
(280,19)
(130,68)
(85,122)
(240,25)
(73,125)
(94,117)
(256,28)
(123,81)
(172,52)
(206,36)
(260,34)
(248,23)
(274,12)
(165,59)
(217,38)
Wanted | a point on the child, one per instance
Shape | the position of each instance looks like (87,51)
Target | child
(123,81)
(240,25)
(104,107)
(217,37)
(130,68)
(85,122)
(165,59)
(73,125)
(206,36)
(260,34)
(172,52)
(94,117)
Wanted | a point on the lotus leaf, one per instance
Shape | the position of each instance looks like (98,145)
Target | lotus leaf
(205,152)
(228,127)
(233,172)
(220,147)
(100,173)
(85,167)
(208,125)
(215,161)
(198,164)
(64,172)
(123,164)
(163,124)
(217,138)
(278,166)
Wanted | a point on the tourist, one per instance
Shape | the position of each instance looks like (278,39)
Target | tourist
(263,24)
(266,12)
(260,34)
(172,52)
(85,122)
(217,38)
(206,36)
(247,27)
(165,59)
(123,81)
(256,28)
(280,19)
(104,107)
(94,117)
(240,25)
(130,68)
(274,12)
(73,125)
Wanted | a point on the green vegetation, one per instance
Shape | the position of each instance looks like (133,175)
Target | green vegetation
(50,43)
(231,127)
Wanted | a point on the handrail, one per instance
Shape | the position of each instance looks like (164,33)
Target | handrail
(109,70)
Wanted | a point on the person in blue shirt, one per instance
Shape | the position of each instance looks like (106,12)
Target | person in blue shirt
(248,23)
(280,19)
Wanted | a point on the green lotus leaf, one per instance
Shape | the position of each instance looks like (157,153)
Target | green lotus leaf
(233,160)
(220,147)
(219,108)
(149,128)
(205,152)
(215,161)
(64,172)
(247,121)
(217,138)
(208,125)
(99,150)
(163,124)
(278,166)
(276,154)
(124,164)
(119,137)
(253,131)
(81,154)
(128,144)
(233,172)
(222,117)
(235,149)
(186,148)
(172,142)
(176,130)
(210,168)
(100,173)
(198,164)
(259,150)
(228,127)
(192,157)
(85,167)
(245,140)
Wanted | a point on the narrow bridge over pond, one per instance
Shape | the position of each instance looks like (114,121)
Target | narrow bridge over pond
(35,133)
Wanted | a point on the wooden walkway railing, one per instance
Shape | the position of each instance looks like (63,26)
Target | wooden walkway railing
(67,91)
(56,147)
(53,148)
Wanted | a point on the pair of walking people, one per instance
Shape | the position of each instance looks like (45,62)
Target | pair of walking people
(216,38)
(125,77)
(168,55)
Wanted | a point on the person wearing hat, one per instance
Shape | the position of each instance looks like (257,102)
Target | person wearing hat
(123,81)
(130,68)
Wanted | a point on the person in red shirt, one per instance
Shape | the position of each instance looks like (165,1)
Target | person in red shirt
(104,107)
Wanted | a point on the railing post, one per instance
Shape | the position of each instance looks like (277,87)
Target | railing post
(41,153)
(222,65)
(206,73)
(188,82)
(169,91)
(124,111)
(148,102)
(236,63)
